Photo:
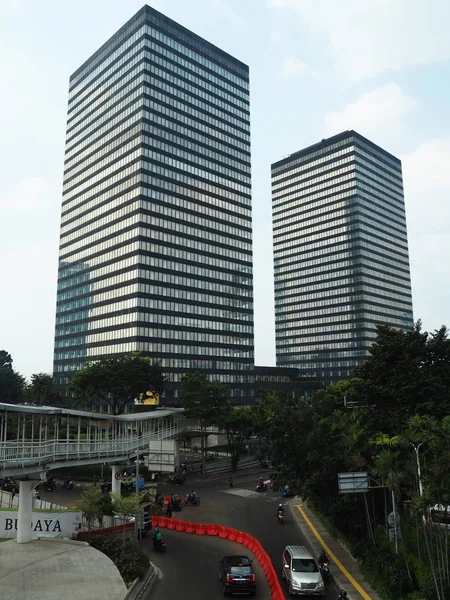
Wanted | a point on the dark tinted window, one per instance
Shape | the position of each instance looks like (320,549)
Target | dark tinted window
(240,571)
(304,565)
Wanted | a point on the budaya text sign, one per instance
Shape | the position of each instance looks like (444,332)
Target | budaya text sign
(45,523)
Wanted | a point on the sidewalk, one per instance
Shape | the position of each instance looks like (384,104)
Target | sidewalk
(344,569)
(55,569)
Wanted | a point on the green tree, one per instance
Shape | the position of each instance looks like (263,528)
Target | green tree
(205,402)
(238,425)
(127,506)
(406,373)
(41,390)
(12,385)
(5,360)
(93,506)
(117,381)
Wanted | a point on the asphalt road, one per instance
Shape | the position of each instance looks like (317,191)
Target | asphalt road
(248,511)
(190,567)
(244,509)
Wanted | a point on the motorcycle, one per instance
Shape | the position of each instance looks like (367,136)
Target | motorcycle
(192,501)
(261,487)
(67,485)
(280,518)
(325,570)
(159,545)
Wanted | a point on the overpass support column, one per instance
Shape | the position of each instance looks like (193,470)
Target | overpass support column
(25,512)
(116,486)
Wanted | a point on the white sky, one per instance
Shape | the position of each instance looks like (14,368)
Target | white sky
(317,67)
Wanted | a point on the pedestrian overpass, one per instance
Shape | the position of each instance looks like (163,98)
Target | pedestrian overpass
(35,440)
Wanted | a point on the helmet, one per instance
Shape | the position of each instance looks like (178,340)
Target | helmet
(280,506)
(156,529)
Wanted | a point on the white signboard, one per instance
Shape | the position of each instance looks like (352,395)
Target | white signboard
(45,523)
(352,483)
(163,456)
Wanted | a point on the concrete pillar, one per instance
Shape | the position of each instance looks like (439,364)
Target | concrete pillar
(116,483)
(25,512)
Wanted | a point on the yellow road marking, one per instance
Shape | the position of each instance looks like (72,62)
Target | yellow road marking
(336,561)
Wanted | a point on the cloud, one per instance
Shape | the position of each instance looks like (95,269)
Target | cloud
(380,112)
(292,66)
(274,40)
(28,196)
(427,191)
(227,12)
(369,37)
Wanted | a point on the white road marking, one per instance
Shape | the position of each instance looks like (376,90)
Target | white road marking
(242,492)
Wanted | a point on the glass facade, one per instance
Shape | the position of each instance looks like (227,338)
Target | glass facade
(156,230)
(340,254)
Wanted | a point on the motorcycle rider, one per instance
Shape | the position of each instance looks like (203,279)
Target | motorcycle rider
(343,595)
(157,538)
(261,483)
(280,511)
(323,558)
(193,496)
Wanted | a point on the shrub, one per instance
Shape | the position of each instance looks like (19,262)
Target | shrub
(128,557)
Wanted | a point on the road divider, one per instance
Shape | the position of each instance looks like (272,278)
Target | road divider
(233,535)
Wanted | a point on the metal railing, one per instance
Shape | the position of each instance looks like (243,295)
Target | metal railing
(30,453)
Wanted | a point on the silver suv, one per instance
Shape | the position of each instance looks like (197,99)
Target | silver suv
(300,569)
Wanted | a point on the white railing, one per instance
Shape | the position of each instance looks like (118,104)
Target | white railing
(25,453)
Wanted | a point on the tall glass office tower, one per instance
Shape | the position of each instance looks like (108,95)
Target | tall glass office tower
(340,252)
(156,246)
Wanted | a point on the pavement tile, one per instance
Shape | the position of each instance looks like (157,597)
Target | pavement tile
(52,570)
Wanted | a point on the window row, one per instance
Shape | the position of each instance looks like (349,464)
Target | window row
(177,292)
(233,237)
(159,334)
(170,62)
(129,175)
(327,182)
(358,301)
(337,167)
(348,188)
(310,158)
(150,73)
(70,275)
(160,104)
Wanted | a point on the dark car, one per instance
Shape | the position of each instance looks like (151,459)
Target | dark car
(237,575)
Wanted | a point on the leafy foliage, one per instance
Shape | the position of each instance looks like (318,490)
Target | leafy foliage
(406,373)
(204,401)
(394,417)
(239,425)
(128,557)
(5,360)
(42,391)
(95,505)
(12,385)
(118,381)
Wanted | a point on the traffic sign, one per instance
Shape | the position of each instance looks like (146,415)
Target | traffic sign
(393,519)
(118,475)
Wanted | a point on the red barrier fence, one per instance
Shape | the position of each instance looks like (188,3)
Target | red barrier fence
(116,530)
(234,536)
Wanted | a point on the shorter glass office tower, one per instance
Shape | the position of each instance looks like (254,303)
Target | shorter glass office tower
(340,254)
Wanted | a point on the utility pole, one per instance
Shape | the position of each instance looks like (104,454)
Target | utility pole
(419,473)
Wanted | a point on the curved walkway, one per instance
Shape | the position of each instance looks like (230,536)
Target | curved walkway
(52,570)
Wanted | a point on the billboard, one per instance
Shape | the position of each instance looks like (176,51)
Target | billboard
(44,524)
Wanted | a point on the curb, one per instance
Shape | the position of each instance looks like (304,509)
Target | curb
(315,546)
(142,590)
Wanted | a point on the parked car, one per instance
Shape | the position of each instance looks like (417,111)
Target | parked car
(237,575)
(301,571)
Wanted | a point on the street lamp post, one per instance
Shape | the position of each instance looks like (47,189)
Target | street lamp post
(419,473)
